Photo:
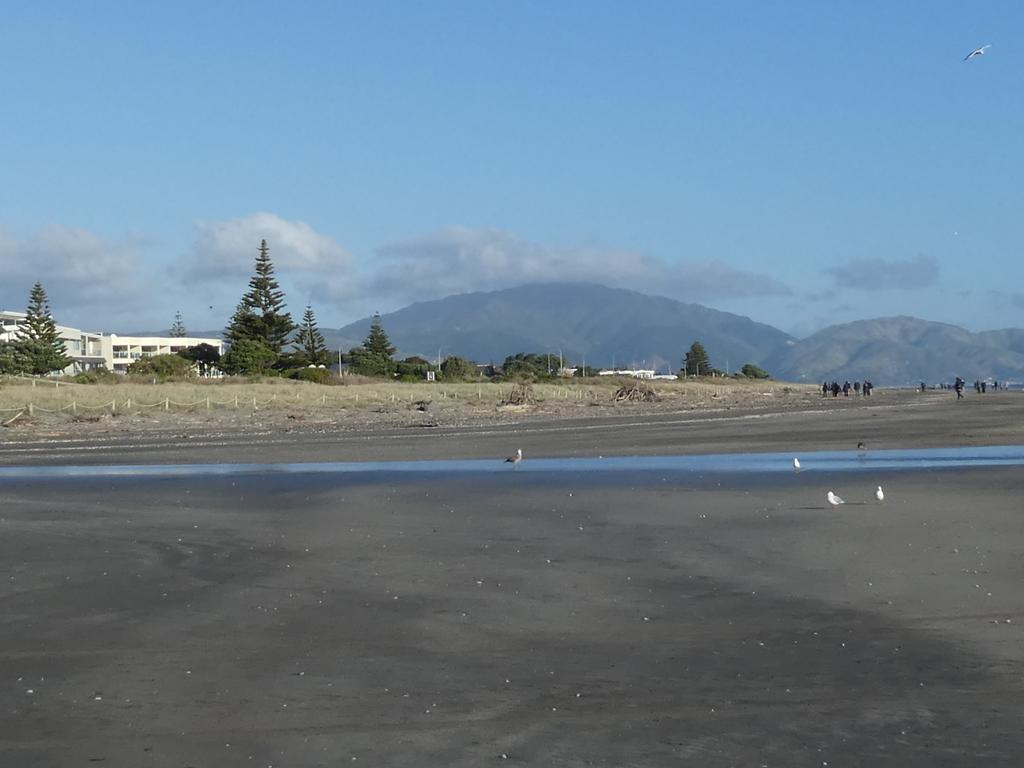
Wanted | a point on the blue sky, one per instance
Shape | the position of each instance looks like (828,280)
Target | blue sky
(802,163)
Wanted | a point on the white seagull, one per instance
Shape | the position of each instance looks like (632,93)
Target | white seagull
(977,52)
(879,495)
(834,500)
(514,460)
(796,465)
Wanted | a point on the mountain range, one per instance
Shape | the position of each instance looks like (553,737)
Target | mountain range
(613,327)
(600,326)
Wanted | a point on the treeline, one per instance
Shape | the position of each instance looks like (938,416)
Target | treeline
(263,340)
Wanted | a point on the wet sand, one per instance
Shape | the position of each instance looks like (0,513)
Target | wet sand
(519,618)
(890,420)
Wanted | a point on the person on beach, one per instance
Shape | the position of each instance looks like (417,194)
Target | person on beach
(958,385)
(824,389)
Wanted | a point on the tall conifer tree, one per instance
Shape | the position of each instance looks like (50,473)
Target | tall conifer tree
(309,342)
(374,357)
(178,329)
(696,362)
(261,314)
(39,347)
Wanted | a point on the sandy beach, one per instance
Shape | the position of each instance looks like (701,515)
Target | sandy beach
(519,617)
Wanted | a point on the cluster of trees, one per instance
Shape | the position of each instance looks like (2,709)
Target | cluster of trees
(531,365)
(263,339)
(261,329)
(697,363)
(375,357)
(37,348)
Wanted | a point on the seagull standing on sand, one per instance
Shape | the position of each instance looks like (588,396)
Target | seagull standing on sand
(796,465)
(834,500)
(514,460)
(861,446)
(879,495)
(977,52)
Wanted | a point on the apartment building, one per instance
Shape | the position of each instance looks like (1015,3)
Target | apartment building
(89,350)
(121,351)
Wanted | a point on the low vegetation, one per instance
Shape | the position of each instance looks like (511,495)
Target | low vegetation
(355,394)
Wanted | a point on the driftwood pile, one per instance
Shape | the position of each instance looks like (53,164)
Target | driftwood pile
(635,391)
(521,394)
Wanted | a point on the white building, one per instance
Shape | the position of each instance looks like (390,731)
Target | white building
(96,350)
(636,374)
(121,351)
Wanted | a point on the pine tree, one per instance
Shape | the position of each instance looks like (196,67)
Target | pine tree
(374,357)
(261,314)
(10,358)
(309,342)
(244,325)
(178,329)
(377,343)
(39,346)
(696,362)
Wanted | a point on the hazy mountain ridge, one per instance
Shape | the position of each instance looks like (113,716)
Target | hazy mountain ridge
(902,350)
(606,326)
(585,321)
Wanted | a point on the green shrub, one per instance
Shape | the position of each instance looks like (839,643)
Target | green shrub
(96,376)
(249,357)
(315,375)
(162,367)
(458,369)
(752,371)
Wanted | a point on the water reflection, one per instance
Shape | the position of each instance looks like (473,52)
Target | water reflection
(821,461)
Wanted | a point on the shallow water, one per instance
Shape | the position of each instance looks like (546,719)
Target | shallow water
(759,463)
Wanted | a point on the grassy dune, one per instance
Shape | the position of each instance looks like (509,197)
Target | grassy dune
(54,407)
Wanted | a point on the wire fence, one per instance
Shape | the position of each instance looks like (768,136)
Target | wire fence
(166,403)
(27,397)
(482,394)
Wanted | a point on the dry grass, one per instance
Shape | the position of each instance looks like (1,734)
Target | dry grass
(44,403)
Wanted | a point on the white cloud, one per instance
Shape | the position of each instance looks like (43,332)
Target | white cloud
(88,278)
(461,259)
(228,248)
(871,273)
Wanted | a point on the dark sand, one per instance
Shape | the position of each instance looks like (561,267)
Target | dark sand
(892,419)
(557,619)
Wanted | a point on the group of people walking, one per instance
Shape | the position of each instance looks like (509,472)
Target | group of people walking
(981,387)
(846,387)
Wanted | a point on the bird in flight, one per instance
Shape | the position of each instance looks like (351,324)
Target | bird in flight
(834,500)
(977,52)
(879,494)
(514,460)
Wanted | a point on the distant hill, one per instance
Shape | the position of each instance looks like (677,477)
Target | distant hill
(901,351)
(606,326)
(586,321)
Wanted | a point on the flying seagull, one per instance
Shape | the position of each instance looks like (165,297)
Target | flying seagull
(796,465)
(834,500)
(879,495)
(977,52)
(514,460)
